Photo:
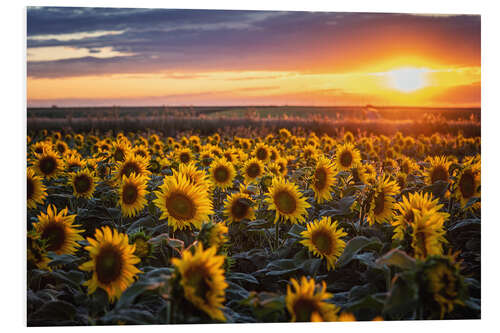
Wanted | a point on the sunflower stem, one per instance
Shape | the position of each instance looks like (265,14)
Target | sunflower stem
(277,238)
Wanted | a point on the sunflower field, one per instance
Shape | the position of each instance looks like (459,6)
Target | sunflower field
(141,228)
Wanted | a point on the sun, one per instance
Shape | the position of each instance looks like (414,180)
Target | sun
(408,79)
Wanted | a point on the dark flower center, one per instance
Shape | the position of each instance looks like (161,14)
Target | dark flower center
(184,157)
(180,206)
(379,203)
(467,184)
(262,154)
(346,158)
(439,173)
(109,264)
(239,209)
(31,188)
(55,235)
(323,242)
(130,167)
(82,183)
(47,165)
(320,179)
(285,202)
(303,309)
(253,170)
(221,174)
(130,194)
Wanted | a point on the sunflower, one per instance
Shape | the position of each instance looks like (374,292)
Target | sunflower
(438,170)
(222,173)
(417,201)
(206,157)
(213,234)
(184,155)
(282,164)
(58,230)
(252,170)
(73,162)
(427,234)
(132,194)
(285,198)
(322,238)
(83,183)
(143,247)
(40,147)
(202,279)
(111,262)
(468,184)
(183,203)
(193,174)
(307,302)
(444,282)
(36,252)
(382,203)
(36,192)
(119,150)
(347,156)
(61,147)
(142,151)
(131,163)
(238,207)
(48,164)
(323,179)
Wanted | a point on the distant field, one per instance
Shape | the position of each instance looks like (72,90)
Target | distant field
(206,120)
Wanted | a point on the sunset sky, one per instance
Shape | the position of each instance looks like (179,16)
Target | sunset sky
(113,56)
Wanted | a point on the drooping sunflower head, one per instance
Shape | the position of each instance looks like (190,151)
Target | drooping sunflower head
(58,231)
(119,150)
(438,170)
(306,302)
(132,194)
(468,183)
(83,183)
(213,234)
(346,156)
(48,164)
(222,173)
(323,179)
(36,191)
(252,170)
(37,252)
(405,217)
(111,263)
(323,239)
(382,203)
(287,201)
(427,234)
(443,282)
(143,247)
(201,277)
(182,203)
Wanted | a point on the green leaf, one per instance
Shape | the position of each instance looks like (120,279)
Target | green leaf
(465,223)
(296,230)
(55,310)
(243,277)
(146,221)
(354,246)
(397,258)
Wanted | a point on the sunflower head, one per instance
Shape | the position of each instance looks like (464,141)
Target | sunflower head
(213,234)
(323,239)
(238,207)
(83,183)
(200,275)
(442,283)
(383,202)
(347,156)
(427,237)
(468,183)
(57,230)
(306,302)
(132,193)
(131,164)
(222,173)
(36,191)
(252,170)
(111,263)
(182,203)
(48,164)
(143,247)
(438,170)
(323,179)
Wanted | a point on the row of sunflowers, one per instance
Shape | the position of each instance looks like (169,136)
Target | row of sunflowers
(138,228)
